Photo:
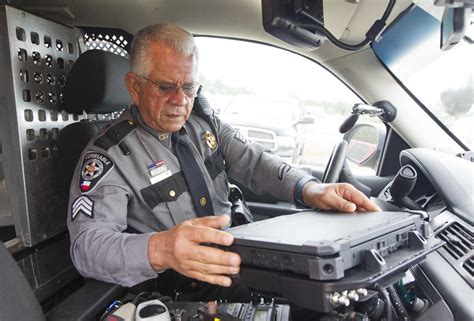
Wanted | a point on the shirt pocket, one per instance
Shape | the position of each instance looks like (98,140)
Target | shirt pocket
(167,190)
(215,164)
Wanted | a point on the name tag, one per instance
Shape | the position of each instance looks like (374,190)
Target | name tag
(160,177)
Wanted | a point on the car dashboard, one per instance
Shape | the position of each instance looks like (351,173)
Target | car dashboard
(444,190)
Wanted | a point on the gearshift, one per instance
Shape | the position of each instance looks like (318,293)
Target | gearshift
(402,185)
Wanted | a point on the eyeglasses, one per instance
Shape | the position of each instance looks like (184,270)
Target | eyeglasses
(169,88)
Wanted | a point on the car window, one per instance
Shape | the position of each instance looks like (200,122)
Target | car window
(443,80)
(286,102)
(268,106)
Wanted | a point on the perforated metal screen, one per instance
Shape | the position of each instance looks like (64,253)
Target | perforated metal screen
(36,56)
(112,40)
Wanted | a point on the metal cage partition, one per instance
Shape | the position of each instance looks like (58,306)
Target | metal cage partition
(36,56)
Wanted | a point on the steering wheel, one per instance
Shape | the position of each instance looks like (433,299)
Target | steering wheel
(336,162)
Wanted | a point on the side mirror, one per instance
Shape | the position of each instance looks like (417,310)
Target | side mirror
(453,26)
(365,144)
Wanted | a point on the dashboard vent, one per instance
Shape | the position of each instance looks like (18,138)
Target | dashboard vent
(459,240)
(469,266)
(459,248)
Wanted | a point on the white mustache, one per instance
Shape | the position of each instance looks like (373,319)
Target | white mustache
(178,111)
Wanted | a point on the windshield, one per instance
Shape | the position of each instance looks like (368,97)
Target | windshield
(441,80)
(261,106)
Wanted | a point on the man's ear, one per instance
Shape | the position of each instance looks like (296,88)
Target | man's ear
(133,86)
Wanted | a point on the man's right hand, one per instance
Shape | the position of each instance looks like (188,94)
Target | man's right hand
(181,249)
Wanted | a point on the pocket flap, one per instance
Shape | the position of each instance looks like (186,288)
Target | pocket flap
(166,190)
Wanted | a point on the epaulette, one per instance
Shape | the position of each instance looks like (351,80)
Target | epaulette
(203,109)
(202,106)
(114,135)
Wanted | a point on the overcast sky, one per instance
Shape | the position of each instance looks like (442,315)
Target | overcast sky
(267,70)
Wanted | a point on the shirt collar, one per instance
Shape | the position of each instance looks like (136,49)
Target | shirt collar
(164,138)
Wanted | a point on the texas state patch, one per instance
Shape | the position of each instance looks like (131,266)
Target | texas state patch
(94,167)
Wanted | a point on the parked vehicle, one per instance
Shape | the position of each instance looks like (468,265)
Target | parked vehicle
(274,123)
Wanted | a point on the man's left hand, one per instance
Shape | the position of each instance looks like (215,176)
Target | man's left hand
(342,197)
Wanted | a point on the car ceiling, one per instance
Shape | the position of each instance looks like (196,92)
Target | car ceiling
(348,20)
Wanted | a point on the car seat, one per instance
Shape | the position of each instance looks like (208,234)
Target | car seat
(95,86)
(17,300)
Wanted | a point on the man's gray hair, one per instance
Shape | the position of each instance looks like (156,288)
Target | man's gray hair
(170,35)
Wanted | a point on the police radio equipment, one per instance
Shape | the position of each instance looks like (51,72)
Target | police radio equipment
(217,311)
(245,312)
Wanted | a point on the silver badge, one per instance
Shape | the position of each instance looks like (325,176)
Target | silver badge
(92,169)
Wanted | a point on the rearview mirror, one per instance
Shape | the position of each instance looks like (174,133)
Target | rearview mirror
(453,26)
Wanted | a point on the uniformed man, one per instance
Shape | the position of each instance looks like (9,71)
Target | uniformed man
(161,168)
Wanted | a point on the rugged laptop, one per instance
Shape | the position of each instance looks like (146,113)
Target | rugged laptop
(323,245)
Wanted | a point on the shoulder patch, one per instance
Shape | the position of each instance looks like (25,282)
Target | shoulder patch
(115,134)
(84,205)
(94,167)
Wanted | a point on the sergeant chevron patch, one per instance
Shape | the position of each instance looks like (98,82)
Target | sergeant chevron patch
(84,205)
(282,170)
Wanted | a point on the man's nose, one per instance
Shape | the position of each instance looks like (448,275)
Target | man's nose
(178,97)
